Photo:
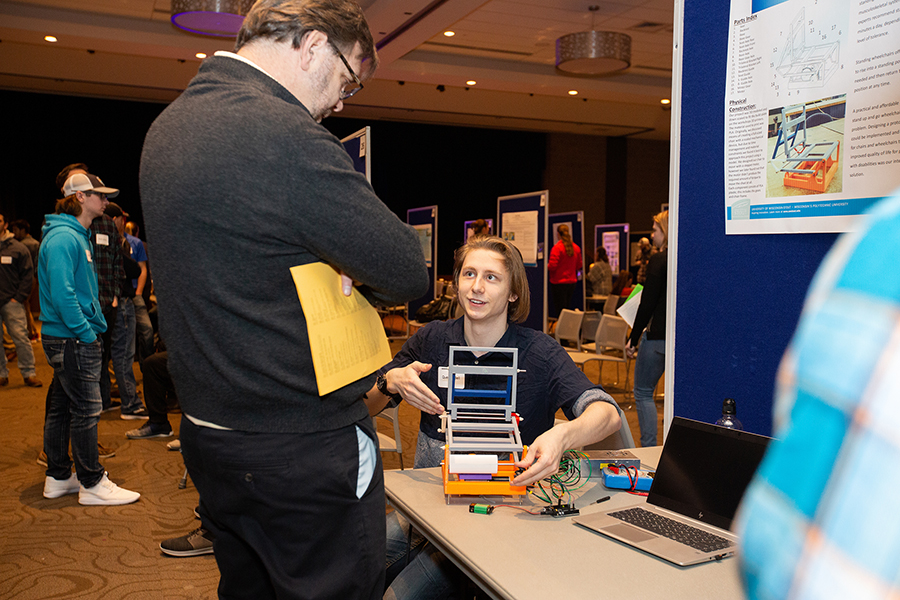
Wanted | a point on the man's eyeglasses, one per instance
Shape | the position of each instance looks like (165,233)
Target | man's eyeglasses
(353,87)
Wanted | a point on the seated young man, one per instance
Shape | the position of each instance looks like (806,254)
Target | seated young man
(492,290)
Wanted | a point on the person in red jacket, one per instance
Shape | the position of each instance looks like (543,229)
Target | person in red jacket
(564,267)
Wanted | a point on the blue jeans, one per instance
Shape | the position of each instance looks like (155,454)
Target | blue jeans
(123,356)
(425,574)
(143,329)
(13,314)
(648,368)
(73,409)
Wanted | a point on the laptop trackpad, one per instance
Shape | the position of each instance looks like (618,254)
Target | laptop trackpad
(632,534)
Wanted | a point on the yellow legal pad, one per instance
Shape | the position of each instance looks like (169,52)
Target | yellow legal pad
(346,337)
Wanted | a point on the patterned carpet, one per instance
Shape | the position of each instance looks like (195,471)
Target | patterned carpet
(60,549)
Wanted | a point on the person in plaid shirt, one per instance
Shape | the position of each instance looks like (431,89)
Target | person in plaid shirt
(818,520)
(108,262)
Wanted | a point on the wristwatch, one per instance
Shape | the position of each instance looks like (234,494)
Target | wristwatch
(381,386)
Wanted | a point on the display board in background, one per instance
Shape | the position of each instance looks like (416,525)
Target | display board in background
(358,146)
(425,220)
(615,238)
(811,114)
(523,222)
(469,227)
(575,221)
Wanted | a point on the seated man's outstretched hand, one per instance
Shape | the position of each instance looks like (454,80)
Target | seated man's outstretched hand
(407,381)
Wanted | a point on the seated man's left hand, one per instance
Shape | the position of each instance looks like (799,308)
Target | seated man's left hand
(542,458)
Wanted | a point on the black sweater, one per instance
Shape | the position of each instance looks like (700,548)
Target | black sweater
(238,185)
(653,301)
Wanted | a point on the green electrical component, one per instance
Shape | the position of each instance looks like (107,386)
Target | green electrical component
(481,509)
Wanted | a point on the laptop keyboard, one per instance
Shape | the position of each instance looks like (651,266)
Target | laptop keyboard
(674,530)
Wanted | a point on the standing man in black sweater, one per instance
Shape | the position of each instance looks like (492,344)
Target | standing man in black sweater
(240,183)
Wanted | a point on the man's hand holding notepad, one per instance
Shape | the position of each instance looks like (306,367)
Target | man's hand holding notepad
(346,337)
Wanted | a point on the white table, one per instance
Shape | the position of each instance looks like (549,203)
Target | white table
(513,555)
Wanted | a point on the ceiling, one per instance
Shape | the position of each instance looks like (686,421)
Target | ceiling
(129,49)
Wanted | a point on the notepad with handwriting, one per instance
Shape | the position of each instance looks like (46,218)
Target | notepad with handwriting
(346,337)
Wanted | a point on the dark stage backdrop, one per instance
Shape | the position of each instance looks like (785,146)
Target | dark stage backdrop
(461,169)
(44,132)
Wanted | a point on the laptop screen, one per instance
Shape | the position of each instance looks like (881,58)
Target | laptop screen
(704,470)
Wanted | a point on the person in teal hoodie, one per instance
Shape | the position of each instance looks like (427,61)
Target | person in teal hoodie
(72,324)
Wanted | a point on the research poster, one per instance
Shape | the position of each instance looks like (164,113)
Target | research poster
(611,243)
(425,241)
(521,228)
(812,113)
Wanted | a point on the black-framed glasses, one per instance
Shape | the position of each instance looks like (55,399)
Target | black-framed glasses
(356,84)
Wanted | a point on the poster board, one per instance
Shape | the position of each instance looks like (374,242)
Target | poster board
(575,221)
(615,238)
(358,146)
(726,328)
(522,220)
(425,220)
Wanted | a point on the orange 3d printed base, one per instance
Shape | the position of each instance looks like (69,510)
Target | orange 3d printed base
(499,485)
(815,167)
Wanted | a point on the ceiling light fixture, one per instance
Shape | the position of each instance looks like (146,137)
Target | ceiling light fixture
(471,82)
(665,101)
(218,18)
(201,55)
(449,33)
(573,92)
(50,38)
(590,53)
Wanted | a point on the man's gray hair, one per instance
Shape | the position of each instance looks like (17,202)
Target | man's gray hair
(343,21)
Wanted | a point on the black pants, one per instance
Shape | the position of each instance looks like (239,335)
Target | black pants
(106,338)
(561,294)
(158,387)
(285,515)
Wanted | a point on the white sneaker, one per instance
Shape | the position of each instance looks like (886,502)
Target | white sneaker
(57,488)
(106,493)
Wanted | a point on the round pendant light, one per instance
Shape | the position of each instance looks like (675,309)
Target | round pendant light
(590,53)
(219,18)
(593,52)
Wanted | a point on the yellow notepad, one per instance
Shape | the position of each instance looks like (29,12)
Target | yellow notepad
(346,337)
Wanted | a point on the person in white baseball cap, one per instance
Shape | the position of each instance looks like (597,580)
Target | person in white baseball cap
(85,182)
(72,322)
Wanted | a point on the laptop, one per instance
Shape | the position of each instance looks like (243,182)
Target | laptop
(699,482)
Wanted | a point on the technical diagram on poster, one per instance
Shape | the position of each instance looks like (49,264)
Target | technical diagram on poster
(805,65)
(812,124)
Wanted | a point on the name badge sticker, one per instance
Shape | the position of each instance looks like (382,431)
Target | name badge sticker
(444,378)
(89,257)
(5,260)
(102,239)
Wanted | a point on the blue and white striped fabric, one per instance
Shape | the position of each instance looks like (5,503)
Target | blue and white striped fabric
(821,518)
